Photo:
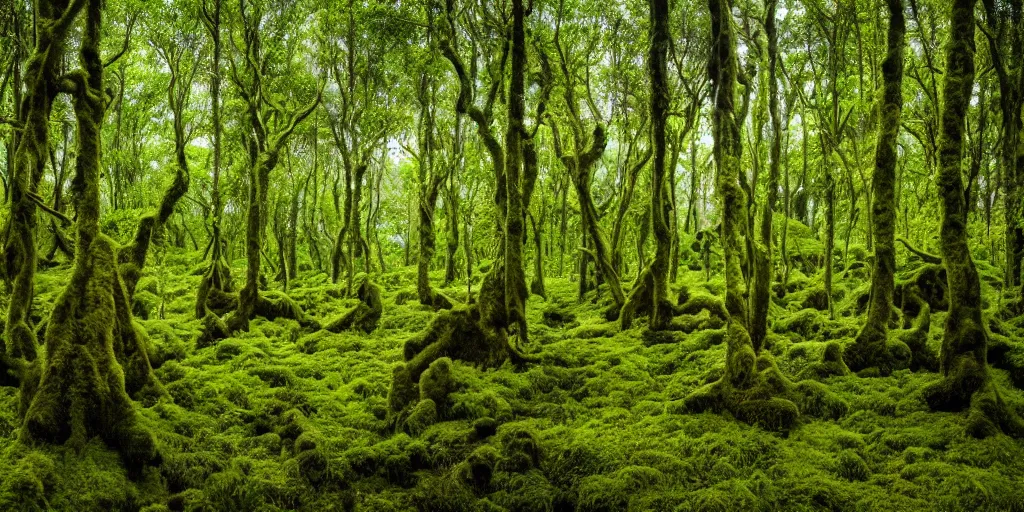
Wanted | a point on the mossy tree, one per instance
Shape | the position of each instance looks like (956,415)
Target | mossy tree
(515,229)
(81,392)
(1005,35)
(764,268)
(218,276)
(430,176)
(179,51)
(271,124)
(872,348)
(966,381)
(585,153)
(650,294)
(750,385)
(54,22)
(359,123)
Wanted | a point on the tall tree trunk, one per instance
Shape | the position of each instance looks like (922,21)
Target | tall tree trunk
(739,388)
(218,275)
(764,268)
(515,276)
(872,348)
(651,291)
(966,381)
(30,153)
(81,392)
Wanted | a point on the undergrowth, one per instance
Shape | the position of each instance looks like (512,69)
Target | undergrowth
(284,418)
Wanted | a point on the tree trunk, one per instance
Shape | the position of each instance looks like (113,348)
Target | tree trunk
(965,378)
(515,275)
(651,291)
(872,347)
(29,157)
(81,392)
(740,388)
(763,262)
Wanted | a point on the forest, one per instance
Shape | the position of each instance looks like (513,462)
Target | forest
(512,255)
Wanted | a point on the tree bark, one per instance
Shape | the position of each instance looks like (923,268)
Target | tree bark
(872,347)
(966,381)
(81,392)
(763,262)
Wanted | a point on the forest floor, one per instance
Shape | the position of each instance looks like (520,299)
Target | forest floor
(282,419)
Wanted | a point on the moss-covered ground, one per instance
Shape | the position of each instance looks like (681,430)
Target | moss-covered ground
(285,419)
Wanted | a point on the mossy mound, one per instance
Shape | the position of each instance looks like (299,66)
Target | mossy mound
(281,418)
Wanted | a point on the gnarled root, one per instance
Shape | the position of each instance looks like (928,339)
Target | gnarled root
(81,392)
(366,315)
(966,383)
(756,392)
(873,349)
(640,301)
(477,335)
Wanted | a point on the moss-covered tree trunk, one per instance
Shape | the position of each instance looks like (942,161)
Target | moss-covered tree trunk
(750,388)
(218,276)
(515,274)
(133,257)
(963,360)
(430,179)
(650,294)
(81,392)
(54,19)
(625,201)
(580,168)
(451,208)
(265,143)
(1006,45)
(872,347)
(763,262)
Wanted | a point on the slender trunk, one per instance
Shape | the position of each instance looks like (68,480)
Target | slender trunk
(872,347)
(966,381)
(30,153)
(660,206)
(763,262)
(515,276)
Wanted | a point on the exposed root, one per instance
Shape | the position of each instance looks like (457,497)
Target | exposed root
(366,315)
(640,301)
(271,305)
(874,349)
(756,392)
(831,364)
(475,334)
(81,392)
(916,338)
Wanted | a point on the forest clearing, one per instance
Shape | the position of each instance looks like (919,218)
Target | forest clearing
(513,255)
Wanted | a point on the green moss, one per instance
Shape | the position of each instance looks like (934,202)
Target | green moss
(422,415)
(851,466)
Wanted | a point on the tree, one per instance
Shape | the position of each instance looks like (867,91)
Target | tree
(748,386)
(218,277)
(966,382)
(763,264)
(81,390)
(872,347)
(271,125)
(30,152)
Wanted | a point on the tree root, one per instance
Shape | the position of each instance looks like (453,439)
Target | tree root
(872,348)
(916,338)
(366,315)
(271,305)
(474,334)
(925,257)
(82,392)
(756,392)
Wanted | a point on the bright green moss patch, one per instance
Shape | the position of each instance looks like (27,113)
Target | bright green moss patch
(286,418)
